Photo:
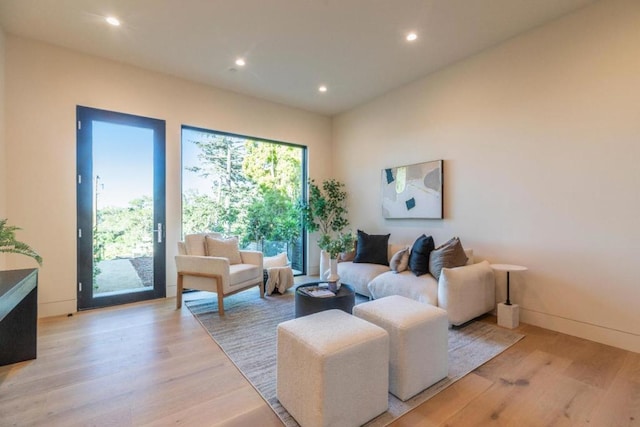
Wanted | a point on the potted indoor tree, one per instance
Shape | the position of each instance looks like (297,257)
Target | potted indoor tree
(325,211)
(9,243)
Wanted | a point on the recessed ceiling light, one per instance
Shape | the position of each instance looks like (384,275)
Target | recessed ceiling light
(322,88)
(112,20)
(412,37)
(240,62)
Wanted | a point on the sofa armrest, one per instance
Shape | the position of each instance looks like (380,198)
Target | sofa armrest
(203,265)
(252,257)
(466,292)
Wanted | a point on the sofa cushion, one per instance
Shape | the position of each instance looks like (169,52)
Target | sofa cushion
(372,248)
(423,288)
(225,248)
(419,258)
(400,260)
(448,255)
(359,275)
(240,273)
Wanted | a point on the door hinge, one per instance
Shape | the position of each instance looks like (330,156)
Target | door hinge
(79,286)
(79,125)
(79,179)
(79,233)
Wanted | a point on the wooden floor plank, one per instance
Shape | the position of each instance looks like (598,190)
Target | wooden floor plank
(620,405)
(444,405)
(503,399)
(228,406)
(147,364)
(593,363)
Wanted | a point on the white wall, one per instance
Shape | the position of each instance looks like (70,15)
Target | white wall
(541,142)
(43,86)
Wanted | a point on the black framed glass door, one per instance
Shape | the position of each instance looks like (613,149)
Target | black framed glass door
(120,208)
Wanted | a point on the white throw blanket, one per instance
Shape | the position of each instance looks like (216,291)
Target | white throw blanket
(280,278)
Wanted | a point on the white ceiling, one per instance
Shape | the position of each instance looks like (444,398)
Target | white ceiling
(355,47)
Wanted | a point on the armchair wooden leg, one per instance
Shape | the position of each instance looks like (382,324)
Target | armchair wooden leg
(261,286)
(220,297)
(179,292)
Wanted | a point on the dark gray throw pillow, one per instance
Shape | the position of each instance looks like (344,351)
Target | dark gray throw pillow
(372,248)
(419,258)
(448,255)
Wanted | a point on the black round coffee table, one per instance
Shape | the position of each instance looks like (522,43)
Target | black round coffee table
(344,300)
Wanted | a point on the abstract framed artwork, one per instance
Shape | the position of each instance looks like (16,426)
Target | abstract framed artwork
(413,191)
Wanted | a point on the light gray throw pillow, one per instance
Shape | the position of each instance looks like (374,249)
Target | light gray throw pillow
(400,260)
(225,248)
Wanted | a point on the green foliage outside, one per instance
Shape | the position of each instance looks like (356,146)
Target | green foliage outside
(254,190)
(124,231)
(220,161)
(271,216)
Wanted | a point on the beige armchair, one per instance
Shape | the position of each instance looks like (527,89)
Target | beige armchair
(197,270)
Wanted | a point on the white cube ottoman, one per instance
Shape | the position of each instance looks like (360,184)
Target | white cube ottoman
(418,343)
(332,369)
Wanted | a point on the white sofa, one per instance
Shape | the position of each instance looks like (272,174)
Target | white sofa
(464,292)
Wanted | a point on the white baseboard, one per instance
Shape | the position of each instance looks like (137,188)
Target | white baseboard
(171,290)
(613,337)
(60,308)
(57,308)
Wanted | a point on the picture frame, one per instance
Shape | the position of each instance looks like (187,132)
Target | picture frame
(413,191)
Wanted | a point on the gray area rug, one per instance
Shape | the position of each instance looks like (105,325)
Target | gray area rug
(247,334)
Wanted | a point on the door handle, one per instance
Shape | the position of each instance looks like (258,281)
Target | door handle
(159,231)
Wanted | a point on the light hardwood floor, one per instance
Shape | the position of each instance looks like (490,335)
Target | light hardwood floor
(142,364)
(148,364)
(546,379)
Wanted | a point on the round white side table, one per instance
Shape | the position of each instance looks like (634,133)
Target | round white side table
(508,314)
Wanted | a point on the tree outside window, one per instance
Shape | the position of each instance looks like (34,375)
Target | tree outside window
(243,187)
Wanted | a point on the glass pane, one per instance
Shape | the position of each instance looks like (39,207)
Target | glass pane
(243,187)
(122,209)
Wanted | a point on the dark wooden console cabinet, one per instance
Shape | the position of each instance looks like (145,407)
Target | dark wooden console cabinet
(18,315)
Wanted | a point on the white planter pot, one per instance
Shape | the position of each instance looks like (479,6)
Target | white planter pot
(324,265)
(333,278)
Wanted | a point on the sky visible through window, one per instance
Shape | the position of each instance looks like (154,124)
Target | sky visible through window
(192,181)
(123,159)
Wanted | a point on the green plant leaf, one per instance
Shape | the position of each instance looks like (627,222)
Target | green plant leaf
(9,244)
(325,211)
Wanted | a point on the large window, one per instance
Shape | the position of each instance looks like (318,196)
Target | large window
(244,187)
